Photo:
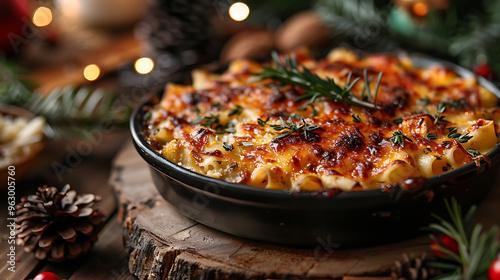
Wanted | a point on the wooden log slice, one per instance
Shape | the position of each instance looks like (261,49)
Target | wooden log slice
(163,244)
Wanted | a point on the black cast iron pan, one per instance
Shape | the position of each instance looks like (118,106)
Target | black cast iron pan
(348,219)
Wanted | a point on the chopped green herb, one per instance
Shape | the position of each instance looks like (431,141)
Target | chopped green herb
(452,133)
(196,120)
(399,138)
(217,105)
(246,144)
(261,122)
(210,120)
(397,121)
(355,118)
(207,121)
(224,131)
(425,101)
(431,136)
(227,147)
(457,103)
(440,109)
(461,138)
(464,138)
(473,152)
(235,111)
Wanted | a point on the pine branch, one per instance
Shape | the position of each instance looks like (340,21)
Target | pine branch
(351,20)
(68,111)
(476,248)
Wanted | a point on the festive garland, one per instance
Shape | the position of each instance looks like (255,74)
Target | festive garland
(466,32)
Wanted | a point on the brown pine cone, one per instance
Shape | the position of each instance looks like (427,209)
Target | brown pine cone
(411,268)
(57,225)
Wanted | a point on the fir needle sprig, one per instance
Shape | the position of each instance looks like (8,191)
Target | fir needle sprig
(288,73)
(476,248)
(69,111)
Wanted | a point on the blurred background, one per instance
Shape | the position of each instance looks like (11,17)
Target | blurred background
(78,63)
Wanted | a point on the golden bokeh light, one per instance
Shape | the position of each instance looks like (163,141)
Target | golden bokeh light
(239,11)
(91,72)
(70,8)
(144,65)
(42,17)
(420,9)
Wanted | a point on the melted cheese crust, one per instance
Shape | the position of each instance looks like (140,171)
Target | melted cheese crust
(343,154)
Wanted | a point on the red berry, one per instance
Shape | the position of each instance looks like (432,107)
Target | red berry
(483,70)
(494,271)
(46,276)
(448,242)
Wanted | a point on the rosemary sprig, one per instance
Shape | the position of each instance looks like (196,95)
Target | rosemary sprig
(304,129)
(476,248)
(399,138)
(289,74)
(355,118)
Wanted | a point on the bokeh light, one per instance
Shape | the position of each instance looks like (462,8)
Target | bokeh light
(144,65)
(91,72)
(42,17)
(239,11)
(420,9)
(70,8)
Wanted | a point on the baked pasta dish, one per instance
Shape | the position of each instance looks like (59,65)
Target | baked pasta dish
(343,122)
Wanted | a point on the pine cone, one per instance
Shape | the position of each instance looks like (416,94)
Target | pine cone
(411,269)
(57,225)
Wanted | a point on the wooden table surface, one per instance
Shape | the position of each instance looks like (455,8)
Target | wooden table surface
(108,258)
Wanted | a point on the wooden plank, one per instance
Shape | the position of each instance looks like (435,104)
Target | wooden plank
(27,263)
(108,259)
